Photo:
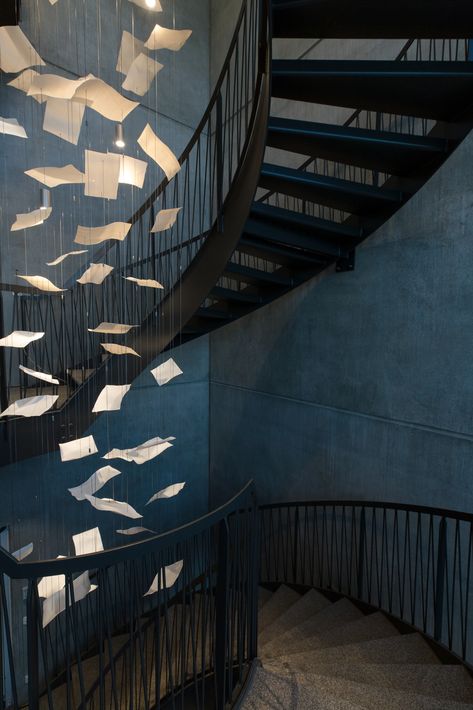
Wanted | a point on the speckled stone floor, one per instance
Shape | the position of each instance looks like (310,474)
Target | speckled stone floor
(323,656)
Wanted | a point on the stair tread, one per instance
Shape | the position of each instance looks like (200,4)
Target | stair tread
(302,221)
(273,690)
(365,628)
(281,600)
(311,603)
(390,152)
(373,697)
(427,89)
(339,19)
(401,648)
(301,177)
(449,682)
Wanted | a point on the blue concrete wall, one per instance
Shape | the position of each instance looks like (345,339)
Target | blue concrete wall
(360,385)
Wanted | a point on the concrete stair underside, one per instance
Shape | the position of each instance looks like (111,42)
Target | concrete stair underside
(331,656)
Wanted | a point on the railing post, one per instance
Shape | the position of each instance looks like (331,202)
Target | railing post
(255,543)
(295,550)
(361,555)
(32,639)
(221,614)
(440,579)
(219,158)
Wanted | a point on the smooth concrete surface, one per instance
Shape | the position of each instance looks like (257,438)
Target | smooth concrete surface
(359,385)
(75,39)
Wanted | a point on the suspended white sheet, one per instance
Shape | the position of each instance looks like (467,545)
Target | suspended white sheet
(141,75)
(42,284)
(166,578)
(132,171)
(23,81)
(52,176)
(95,274)
(163,38)
(112,328)
(16,51)
(102,98)
(93,484)
(102,171)
(56,604)
(134,531)
(97,235)
(159,152)
(39,375)
(31,406)
(108,505)
(11,127)
(165,219)
(20,339)
(115,349)
(144,452)
(166,372)
(87,542)
(31,219)
(23,552)
(130,48)
(142,3)
(54,86)
(63,119)
(47,586)
(168,492)
(78,449)
(110,399)
(147,283)
(61,258)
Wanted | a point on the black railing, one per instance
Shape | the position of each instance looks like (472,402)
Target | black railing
(411,562)
(190,641)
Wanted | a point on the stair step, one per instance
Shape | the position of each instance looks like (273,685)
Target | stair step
(323,228)
(393,153)
(332,616)
(280,254)
(281,600)
(278,691)
(342,19)
(372,697)
(402,648)
(292,238)
(228,294)
(366,628)
(353,197)
(451,683)
(438,90)
(247,274)
(308,605)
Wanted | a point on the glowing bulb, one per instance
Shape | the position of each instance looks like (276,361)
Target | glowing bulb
(151,3)
(119,138)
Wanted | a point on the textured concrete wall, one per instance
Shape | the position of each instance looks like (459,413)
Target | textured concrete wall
(75,39)
(360,384)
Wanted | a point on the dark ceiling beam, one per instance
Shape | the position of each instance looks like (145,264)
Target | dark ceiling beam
(9,12)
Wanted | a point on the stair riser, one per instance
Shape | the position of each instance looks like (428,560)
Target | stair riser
(371,19)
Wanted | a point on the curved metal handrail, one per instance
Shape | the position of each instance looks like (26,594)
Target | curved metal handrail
(99,560)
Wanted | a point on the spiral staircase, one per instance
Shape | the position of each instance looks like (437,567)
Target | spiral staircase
(277,226)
